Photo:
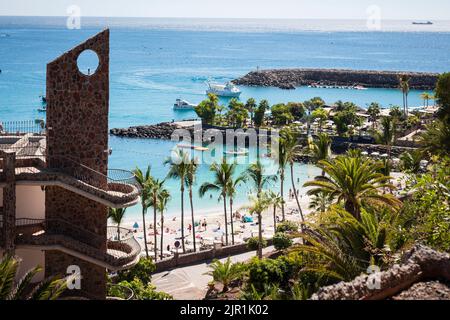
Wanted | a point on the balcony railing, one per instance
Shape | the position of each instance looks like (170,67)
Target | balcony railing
(122,247)
(117,186)
(22,127)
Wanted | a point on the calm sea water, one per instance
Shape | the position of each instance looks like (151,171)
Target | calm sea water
(153,62)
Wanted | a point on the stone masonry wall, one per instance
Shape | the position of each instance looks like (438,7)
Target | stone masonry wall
(9,202)
(93,277)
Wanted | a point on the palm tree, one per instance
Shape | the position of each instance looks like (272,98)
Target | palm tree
(426,97)
(353,181)
(116,215)
(144,181)
(321,115)
(232,189)
(190,181)
(250,105)
(276,201)
(320,149)
(411,161)
(404,87)
(156,187)
(282,163)
(291,150)
(321,201)
(374,112)
(179,163)
(226,272)
(435,140)
(344,246)
(257,175)
(257,206)
(49,289)
(163,199)
(387,134)
(223,175)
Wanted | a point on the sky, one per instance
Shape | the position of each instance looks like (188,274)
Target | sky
(276,9)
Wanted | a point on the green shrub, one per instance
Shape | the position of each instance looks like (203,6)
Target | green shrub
(272,271)
(282,241)
(144,291)
(225,272)
(142,271)
(425,216)
(287,226)
(264,272)
(283,273)
(252,243)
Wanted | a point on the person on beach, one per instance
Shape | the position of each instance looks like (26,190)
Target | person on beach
(190,228)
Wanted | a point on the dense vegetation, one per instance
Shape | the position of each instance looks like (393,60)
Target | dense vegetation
(357,223)
(138,279)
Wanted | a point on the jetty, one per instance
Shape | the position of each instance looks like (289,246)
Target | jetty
(292,78)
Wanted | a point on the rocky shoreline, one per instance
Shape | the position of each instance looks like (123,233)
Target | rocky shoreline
(165,130)
(292,78)
(162,131)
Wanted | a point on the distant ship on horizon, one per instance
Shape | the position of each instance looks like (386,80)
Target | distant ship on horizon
(423,23)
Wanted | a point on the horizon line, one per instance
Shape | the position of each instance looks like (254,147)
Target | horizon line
(216,18)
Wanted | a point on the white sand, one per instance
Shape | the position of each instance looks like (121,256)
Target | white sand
(212,233)
(243,231)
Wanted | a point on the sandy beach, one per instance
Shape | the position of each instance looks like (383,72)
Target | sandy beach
(215,226)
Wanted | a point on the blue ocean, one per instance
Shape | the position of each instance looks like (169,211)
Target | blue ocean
(152,64)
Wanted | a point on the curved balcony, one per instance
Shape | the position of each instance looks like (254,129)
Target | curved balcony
(121,248)
(117,189)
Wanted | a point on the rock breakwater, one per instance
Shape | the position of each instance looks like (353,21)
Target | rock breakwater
(292,78)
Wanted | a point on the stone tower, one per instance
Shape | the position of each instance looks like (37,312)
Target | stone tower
(77,139)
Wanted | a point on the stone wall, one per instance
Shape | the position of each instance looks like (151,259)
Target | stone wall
(291,78)
(202,256)
(77,128)
(9,202)
(93,277)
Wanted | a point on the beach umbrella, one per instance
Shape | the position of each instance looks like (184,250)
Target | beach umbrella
(384,155)
(364,153)
(375,154)
(135,225)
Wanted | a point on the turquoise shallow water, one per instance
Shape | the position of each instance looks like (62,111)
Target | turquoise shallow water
(151,67)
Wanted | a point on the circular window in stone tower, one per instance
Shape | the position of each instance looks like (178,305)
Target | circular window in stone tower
(88,62)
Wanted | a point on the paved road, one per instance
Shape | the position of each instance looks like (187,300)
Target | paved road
(190,283)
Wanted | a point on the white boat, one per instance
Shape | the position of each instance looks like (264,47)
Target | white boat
(223,90)
(239,152)
(183,105)
(189,146)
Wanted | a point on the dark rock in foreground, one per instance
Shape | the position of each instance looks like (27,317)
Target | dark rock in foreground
(292,78)
(424,274)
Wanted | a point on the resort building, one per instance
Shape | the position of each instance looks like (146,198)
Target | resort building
(55,184)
